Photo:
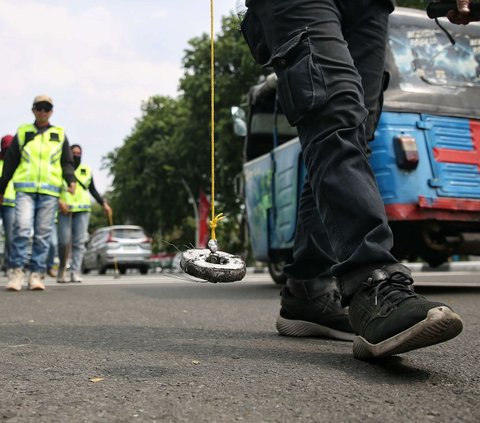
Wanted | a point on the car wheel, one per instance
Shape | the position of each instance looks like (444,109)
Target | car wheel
(144,270)
(122,270)
(101,268)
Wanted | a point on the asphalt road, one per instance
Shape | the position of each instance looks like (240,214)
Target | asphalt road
(164,349)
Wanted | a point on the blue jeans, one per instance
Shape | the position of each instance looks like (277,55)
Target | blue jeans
(52,249)
(33,212)
(72,230)
(329,58)
(8,218)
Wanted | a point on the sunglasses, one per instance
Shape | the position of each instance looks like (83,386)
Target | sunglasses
(43,107)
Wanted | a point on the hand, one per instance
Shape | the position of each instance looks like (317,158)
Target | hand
(63,207)
(462,15)
(107,209)
(1,200)
(71,187)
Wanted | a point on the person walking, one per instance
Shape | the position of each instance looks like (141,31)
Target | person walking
(40,157)
(74,216)
(8,205)
(344,282)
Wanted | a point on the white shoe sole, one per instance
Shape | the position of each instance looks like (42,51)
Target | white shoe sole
(13,288)
(36,287)
(302,328)
(440,325)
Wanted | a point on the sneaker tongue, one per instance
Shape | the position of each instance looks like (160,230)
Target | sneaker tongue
(395,289)
(402,278)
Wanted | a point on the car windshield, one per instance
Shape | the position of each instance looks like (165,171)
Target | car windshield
(425,55)
(128,233)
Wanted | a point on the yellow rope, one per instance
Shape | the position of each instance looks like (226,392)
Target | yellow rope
(110,222)
(215,218)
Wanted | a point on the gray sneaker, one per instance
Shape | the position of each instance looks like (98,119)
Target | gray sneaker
(16,278)
(35,282)
(322,316)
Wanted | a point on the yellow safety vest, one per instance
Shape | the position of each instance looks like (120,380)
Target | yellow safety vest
(80,201)
(9,195)
(40,170)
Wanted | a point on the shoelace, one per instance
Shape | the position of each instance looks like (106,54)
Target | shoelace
(395,288)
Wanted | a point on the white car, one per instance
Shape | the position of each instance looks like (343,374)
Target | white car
(124,246)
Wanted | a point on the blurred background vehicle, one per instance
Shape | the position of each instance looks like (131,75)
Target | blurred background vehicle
(127,245)
(161,262)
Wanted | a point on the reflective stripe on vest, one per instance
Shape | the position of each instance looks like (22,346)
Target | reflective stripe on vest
(80,201)
(9,195)
(40,170)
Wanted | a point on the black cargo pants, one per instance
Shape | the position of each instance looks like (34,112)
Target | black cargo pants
(329,58)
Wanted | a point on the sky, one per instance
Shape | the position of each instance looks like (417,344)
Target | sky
(98,60)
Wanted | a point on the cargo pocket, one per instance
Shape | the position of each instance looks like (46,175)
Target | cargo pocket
(253,34)
(301,84)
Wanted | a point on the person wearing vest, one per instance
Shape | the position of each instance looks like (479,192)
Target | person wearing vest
(8,205)
(40,157)
(74,217)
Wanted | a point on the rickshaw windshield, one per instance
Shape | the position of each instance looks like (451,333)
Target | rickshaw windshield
(425,55)
(427,73)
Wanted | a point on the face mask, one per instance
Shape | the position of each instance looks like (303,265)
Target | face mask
(76,161)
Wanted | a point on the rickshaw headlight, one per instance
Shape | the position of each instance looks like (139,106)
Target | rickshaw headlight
(406,151)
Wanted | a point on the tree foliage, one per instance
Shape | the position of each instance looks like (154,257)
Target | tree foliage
(170,145)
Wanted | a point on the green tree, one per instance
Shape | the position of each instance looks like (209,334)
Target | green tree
(170,145)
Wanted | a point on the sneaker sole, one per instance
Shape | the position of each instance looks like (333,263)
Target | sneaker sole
(13,288)
(288,327)
(36,288)
(440,325)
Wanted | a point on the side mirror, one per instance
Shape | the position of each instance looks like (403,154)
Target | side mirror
(239,124)
(239,186)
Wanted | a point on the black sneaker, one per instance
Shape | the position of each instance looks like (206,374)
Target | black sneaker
(322,316)
(390,318)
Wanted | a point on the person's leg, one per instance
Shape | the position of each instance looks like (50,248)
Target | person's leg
(310,34)
(52,252)
(44,224)
(22,230)
(310,304)
(312,253)
(8,218)
(79,237)
(321,92)
(64,232)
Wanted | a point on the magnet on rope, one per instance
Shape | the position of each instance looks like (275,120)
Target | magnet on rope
(213,267)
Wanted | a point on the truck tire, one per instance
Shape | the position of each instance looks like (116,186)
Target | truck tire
(275,268)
